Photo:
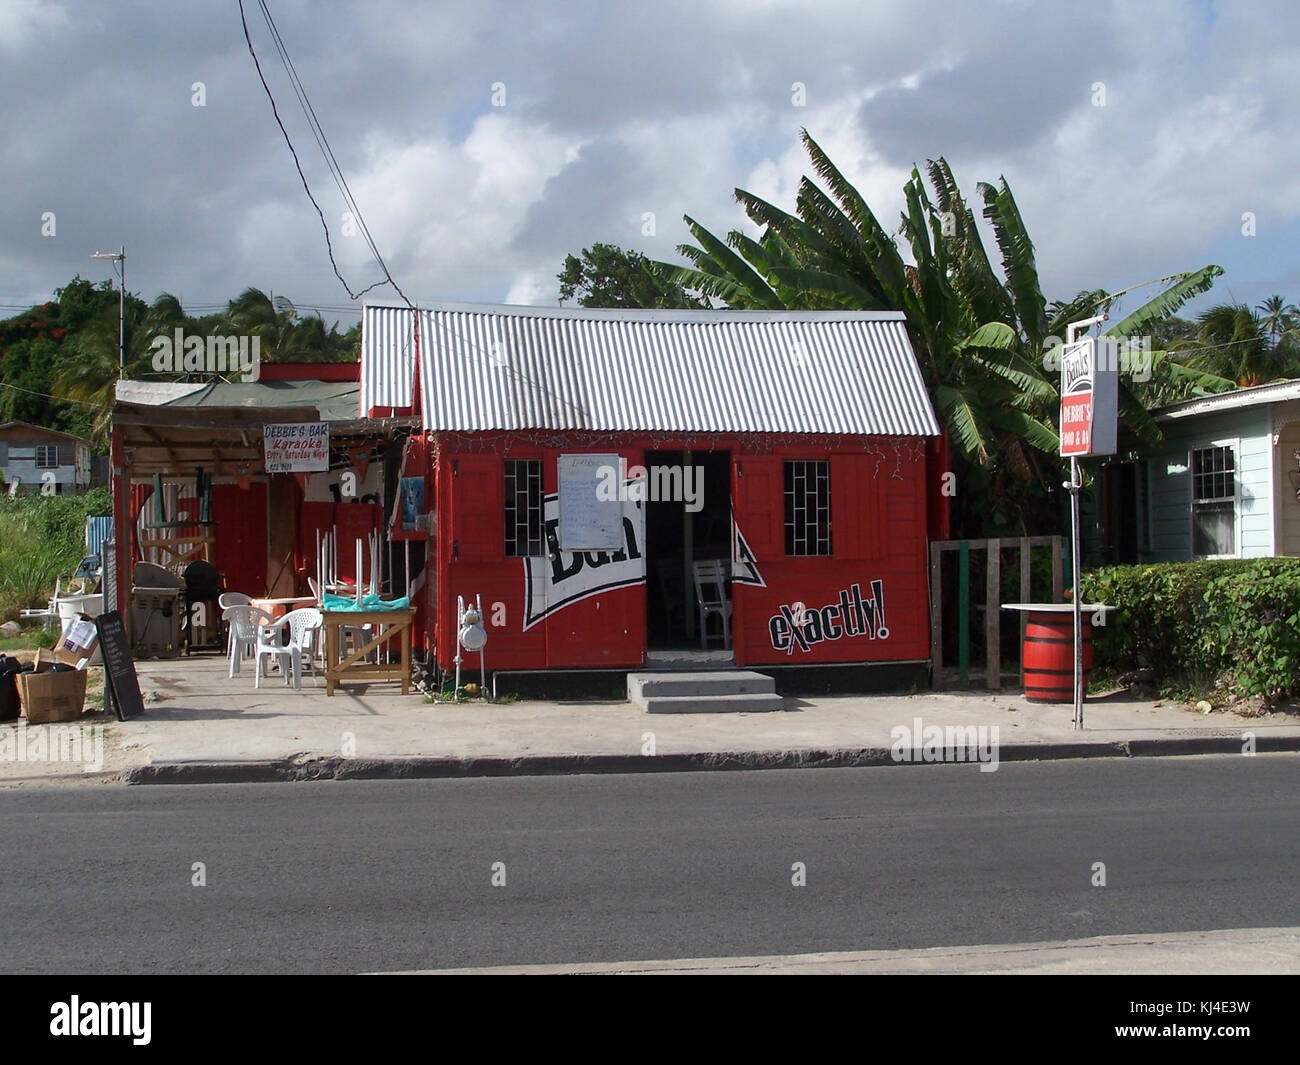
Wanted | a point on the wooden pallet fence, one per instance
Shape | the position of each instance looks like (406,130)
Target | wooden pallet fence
(992,549)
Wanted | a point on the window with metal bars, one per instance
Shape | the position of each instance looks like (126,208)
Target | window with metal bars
(807,507)
(523,508)
(47,456)
(1214,500)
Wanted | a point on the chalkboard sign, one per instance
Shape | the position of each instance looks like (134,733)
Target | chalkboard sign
(591,503)
(121,685)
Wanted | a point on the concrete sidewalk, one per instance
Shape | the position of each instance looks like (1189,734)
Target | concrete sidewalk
(201,726)
(1235,952)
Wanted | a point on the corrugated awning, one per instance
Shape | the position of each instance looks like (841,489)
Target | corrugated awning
(487,367)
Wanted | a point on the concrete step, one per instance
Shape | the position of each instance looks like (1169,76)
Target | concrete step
(702,682)
(725,691)
(749,703)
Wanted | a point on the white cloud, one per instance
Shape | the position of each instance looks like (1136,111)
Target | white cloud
(22,20)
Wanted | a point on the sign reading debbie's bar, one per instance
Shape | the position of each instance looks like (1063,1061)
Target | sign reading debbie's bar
(296,447)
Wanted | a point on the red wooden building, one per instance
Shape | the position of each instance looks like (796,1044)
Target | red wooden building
(259,528)
(576,464)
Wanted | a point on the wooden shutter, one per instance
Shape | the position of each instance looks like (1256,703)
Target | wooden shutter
(857,507)
(758,504)
(477,508)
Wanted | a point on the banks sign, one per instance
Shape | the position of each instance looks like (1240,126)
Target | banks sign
(1089,401)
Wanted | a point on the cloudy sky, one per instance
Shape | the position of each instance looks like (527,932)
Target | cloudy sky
(1134,133)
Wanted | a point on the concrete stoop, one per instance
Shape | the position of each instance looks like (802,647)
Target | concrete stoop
(711,692)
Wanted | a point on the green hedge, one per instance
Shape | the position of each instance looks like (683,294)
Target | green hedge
(1233,622)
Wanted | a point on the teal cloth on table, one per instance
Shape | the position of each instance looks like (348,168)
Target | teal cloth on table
(368,602)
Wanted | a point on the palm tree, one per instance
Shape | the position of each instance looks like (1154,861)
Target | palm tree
(1278,318)
(255,314)
(1234,342)
(284,334)
(87,371)
(980,337)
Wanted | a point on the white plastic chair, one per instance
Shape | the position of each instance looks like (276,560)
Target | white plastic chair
(243,622)
(302,626)
(229,599)
(711,598)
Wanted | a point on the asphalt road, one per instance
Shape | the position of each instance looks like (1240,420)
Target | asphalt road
(382,876)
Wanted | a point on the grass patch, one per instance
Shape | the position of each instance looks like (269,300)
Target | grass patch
(42,538)
(29,641)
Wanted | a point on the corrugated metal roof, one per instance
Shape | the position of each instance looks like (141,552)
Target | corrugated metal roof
(335,400)
(492,367)
(1237,399)
(387,358)
(98,529)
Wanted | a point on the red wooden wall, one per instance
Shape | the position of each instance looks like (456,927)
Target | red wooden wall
(879,516)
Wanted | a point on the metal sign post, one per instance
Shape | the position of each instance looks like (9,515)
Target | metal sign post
(1088,416)
(1075,484)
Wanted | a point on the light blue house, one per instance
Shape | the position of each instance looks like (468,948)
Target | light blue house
(1224,482)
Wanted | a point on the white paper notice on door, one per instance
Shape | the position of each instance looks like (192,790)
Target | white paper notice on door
(591,507)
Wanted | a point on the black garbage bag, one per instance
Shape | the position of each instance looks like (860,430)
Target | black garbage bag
(9,669)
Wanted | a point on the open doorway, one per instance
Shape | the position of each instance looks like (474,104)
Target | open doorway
(688,520)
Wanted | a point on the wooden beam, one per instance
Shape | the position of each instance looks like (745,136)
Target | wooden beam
(936,616)
(963,613)
(993,617)
(1026,590)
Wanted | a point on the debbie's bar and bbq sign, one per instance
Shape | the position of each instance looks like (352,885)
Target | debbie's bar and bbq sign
(585,468)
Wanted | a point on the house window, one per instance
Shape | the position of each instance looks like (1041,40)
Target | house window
(808,508)
(1214,500)
(523,508)
(47,456)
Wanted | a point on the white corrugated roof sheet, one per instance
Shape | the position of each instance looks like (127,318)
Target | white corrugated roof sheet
(487,367)
(387,358)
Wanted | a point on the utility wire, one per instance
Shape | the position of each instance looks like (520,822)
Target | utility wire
(322,142)
(303,177)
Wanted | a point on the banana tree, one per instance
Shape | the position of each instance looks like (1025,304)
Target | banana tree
(980,337)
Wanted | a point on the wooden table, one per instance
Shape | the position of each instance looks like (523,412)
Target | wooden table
(387,625)
(277,608)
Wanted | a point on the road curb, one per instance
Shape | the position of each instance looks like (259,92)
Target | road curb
(334,767)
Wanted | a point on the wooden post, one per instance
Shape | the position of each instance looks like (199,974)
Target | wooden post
(123,530)
(1026,590)
(936,616)
(1058,588)
(993,617)
(963,612)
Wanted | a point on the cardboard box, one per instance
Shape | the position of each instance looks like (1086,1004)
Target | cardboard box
(78,644)
(49,697)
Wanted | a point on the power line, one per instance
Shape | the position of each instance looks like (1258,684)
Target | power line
(275,111)
(322,142)
(47,395)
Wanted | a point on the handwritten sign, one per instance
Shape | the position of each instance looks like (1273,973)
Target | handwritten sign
(296,447)
(591,517)
(121,685)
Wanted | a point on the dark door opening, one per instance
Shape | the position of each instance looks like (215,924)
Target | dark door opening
(692,523)
(1119,516)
